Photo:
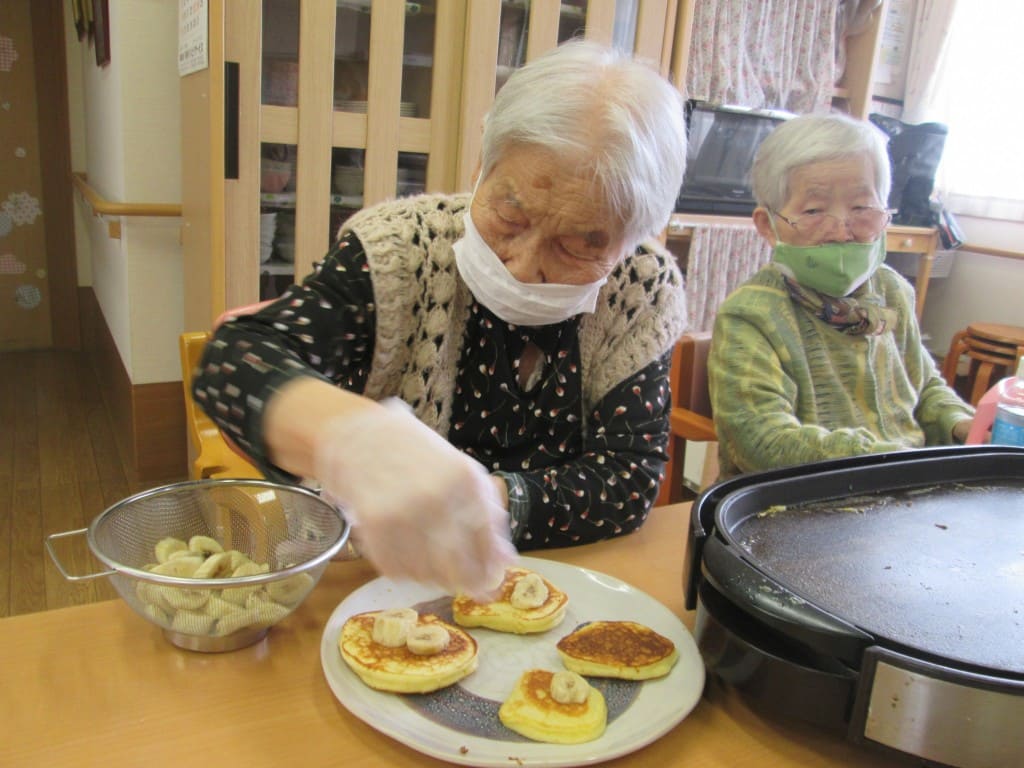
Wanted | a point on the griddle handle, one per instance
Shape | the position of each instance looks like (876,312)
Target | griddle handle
(774,605)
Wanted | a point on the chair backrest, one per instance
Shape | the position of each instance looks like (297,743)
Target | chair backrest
(692,376)
(214,455)
(200,427)
(690,415)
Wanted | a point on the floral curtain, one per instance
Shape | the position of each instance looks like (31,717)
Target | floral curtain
(764,53)
(721,258)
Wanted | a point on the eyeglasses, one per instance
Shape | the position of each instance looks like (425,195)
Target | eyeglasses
(865,224)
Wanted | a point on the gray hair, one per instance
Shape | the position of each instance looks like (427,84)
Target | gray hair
(811,139)
(610,113)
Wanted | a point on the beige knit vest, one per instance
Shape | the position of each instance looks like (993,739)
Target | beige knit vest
(422,306)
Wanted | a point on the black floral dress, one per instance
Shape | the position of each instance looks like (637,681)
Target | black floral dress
(572,477)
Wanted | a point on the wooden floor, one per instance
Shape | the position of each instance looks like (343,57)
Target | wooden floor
(60,466)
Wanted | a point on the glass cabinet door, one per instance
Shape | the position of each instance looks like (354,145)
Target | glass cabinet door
(278,180)
(411,75)
(313,149)
(527,28)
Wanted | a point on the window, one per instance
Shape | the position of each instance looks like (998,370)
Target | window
(976,91)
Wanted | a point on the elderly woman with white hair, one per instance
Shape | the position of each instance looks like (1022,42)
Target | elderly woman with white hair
(819,354)
(471,374)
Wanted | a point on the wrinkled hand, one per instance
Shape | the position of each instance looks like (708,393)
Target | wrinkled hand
(961,429)
(419,508)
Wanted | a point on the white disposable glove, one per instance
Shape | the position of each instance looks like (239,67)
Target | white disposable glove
(419,508)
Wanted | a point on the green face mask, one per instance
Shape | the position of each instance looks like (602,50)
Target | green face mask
(835,269)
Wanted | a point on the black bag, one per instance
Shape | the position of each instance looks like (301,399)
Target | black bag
(914,155)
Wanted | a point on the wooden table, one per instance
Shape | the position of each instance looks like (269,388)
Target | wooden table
(96,685)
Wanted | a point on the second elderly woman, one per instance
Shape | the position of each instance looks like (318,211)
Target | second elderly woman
(819,354)
(467,374)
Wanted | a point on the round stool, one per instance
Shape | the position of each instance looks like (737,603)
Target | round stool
(993,350)
(1007,335)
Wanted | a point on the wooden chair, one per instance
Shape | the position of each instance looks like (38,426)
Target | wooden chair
(993,351)
(215,455)
(690,417)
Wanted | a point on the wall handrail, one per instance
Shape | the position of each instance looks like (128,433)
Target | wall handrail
(985,250)
(102,207)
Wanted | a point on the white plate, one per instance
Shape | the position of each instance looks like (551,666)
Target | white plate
(460,724)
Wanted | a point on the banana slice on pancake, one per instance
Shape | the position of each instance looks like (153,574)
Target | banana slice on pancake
(433,654)
(526,603)
(428,639)
(529,592)
(556,707)
(391,628)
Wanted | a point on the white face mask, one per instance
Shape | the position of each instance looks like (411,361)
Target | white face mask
(513,301)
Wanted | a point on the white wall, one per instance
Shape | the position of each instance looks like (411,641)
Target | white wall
(128,138)
(979,288)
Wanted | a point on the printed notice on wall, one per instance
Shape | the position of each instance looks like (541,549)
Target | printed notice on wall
(192,36)
(890,69)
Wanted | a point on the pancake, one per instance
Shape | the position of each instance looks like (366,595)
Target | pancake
(508,612)
(398,668)
(622,649)
(533,711)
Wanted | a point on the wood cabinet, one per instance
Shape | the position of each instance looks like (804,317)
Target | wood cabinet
(312,109)
(340,104)
(505,35)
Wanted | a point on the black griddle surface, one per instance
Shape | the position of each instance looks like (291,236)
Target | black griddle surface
(939,569)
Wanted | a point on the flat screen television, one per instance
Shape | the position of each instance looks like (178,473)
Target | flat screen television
(720,149)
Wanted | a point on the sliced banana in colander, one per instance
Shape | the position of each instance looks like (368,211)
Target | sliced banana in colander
(216,612)
(182,599)
(291,590)
(216,566)
(218,607)
(205,545)
(192,623)
(167,547)
(182,567)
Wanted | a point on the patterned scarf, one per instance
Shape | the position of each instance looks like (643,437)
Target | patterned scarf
(847,314)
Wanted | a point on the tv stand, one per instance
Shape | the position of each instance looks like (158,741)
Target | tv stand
(899,239)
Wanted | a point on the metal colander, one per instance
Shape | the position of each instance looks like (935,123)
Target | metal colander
(278,540)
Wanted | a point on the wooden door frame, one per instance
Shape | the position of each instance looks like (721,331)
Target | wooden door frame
(51,83)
